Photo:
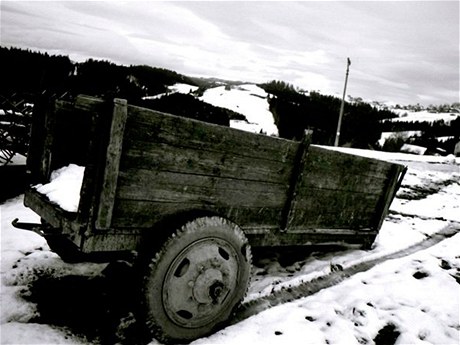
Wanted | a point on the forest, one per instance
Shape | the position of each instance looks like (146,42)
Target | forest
(362,124)
(295,111)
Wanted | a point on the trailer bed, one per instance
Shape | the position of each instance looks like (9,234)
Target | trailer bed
(144,168)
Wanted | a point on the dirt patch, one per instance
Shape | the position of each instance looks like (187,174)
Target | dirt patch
(414,192)
(387,335)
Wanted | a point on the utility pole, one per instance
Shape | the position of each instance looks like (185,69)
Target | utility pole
(339,124)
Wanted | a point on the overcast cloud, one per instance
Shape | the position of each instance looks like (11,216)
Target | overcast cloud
(401,51)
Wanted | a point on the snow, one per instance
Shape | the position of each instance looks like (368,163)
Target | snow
(399,157)
(416,296)
(422,116)
(424,310)
(64,187)
(176,88)
(414,149)
(405,134)
(17,159)
(247,99)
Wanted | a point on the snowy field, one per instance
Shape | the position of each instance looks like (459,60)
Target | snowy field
(423,116)
(414,299)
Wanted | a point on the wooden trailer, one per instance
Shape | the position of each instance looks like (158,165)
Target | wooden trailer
(191,198)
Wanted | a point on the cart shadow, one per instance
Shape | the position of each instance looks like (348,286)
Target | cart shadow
(100,309)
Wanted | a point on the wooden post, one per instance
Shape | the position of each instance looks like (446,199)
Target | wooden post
(112,164)
(395,177)
(296,178)
(339,123)
(41,140)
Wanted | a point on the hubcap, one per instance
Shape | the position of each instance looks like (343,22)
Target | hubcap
(200,281)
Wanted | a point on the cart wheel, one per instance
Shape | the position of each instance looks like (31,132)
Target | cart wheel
(195,281)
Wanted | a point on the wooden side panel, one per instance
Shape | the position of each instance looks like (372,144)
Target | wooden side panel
(68,132)
(171,164)
(338,190)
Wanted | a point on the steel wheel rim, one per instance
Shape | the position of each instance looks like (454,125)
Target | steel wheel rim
(198,284)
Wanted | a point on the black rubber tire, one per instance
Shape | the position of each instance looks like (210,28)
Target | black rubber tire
(195,281)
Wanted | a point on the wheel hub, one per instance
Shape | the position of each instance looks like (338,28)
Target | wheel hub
(198,282)
(208,286)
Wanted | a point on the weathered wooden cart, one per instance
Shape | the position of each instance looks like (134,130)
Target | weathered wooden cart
(191,198)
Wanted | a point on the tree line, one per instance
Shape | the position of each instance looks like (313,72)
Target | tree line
(26,71)
(29,74)
(362,125)
(295,111)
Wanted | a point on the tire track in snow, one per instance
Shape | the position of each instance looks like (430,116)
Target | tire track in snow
(304,289)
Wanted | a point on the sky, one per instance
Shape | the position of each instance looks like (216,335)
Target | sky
(404,52)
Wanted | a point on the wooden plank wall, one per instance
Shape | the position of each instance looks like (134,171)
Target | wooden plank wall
(170,164)
(338,190)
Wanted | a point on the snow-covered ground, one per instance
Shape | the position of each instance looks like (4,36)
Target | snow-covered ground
(411,300)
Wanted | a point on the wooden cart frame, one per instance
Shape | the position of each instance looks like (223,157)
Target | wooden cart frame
(144,168)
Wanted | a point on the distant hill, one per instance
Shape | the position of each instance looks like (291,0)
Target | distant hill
(273,108)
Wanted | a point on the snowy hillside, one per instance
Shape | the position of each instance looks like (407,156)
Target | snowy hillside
(423,116)
(247,99)
(179,88)
(411,298)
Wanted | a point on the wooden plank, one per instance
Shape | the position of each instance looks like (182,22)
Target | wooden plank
(145,214)
(37,140)
(338,190)
(164,157)
(152,126)
(394,181)
(331,209)
(190,188)
(346,237)
(46,152)
(296,178)
(81,104)
(330,161)
(112,163)
(89,197)
(52,213)
(342,181)
(112,241)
